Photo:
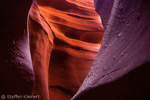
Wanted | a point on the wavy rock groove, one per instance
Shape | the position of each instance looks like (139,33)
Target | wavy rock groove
(47,48)
(65,36)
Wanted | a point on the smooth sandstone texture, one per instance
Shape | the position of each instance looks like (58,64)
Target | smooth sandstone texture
(65,36)
(41,44)
(63,45)
(16,71)
(121,70)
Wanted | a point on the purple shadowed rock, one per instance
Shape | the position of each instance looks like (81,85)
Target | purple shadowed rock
(121,70)
(16,71)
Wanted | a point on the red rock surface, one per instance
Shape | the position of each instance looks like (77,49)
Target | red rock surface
(65,36)
(41,43)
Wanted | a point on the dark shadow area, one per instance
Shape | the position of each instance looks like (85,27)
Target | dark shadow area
(132,86)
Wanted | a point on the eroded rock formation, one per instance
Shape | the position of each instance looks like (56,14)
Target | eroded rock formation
(122,66)
(41,44)
(65,36)
(16,71)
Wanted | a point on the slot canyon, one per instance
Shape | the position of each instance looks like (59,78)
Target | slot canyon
(75,50)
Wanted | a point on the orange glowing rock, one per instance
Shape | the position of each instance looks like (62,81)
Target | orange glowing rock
(65,38)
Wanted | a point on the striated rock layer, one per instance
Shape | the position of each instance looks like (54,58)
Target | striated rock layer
(121,70)
(65,36)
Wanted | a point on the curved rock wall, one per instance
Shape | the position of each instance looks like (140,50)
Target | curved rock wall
(122,66)
(65,36)
(16,71)
(41,44)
